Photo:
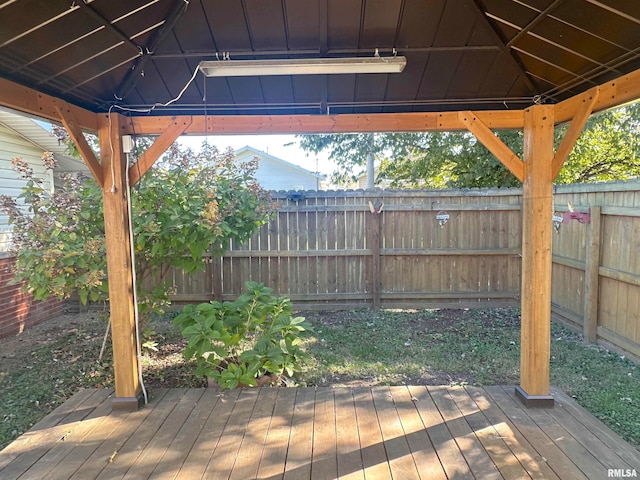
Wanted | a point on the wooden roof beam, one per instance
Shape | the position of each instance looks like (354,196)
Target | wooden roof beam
(27,100)
(345,123)
(30,101)
(617,92)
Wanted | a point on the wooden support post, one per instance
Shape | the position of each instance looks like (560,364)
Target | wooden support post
(119,265)
(536,257)
(592,277)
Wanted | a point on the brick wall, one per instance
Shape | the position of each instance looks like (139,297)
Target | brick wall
(18,310)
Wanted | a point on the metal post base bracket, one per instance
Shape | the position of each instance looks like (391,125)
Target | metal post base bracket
(127,404)
(534,401)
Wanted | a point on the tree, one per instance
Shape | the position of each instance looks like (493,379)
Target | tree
(410,160)
(351,152)
(608,149)
(447,160)
(187,205)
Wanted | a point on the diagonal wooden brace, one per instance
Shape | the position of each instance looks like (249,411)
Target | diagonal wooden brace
(496,146)
(73,128)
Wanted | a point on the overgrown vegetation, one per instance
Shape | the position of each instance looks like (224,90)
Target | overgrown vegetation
(42,367)
(188,205)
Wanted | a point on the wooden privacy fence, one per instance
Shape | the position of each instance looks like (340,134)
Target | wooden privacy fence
(388,249)
(596,266)
(378,248)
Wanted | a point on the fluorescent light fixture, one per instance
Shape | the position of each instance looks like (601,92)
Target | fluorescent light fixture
(307,66)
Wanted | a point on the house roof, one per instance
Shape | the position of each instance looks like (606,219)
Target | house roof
(293,166)
(35,133)
(461,54)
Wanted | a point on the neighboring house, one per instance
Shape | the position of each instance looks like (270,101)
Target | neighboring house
(276,174)
(22,137)
(361,182)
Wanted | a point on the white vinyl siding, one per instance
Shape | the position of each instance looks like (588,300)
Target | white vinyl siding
(276,174)
(13,145)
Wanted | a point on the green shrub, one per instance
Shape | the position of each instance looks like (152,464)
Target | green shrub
(242,341)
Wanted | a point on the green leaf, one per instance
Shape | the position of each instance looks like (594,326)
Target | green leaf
(84,295)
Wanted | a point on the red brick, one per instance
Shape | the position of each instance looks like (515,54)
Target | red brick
(18,311)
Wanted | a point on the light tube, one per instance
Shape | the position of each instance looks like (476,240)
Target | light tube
(308,66)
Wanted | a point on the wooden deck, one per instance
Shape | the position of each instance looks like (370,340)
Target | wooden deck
(273,433)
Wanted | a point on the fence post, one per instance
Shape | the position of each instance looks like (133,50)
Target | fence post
(373,236)
(592,277)
(216,277)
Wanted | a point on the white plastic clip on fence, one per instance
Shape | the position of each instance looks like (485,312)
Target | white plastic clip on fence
(442,217)
(557,219)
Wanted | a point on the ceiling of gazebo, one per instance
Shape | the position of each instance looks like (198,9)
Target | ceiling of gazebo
(461,54)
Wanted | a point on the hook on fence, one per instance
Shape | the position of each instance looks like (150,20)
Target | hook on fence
(376,208)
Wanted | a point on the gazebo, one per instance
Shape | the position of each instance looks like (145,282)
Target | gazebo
(167,68)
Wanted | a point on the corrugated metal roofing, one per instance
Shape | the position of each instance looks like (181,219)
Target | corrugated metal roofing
(461,54)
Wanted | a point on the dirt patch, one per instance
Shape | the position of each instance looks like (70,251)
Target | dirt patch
(17,349)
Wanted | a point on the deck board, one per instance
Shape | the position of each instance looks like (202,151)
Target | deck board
(371,446)
(33,449)
(597,429)
(450,456)
(469,445)
(324,463)
(424,455)
(136,447)
(226,452)
(543,445)
(519,445)
(279,433)
(274,453)
(492,442)
(207,440)
(250,452)
(301,439)
(347,437)
(395,442)
(571,446)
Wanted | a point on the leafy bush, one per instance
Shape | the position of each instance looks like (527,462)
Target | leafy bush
(188,205)
(242,341)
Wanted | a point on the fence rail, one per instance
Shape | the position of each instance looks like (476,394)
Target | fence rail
(378,248)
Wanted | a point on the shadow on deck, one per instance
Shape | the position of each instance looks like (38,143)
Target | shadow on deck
(306,433)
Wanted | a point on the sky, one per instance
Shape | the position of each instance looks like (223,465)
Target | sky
(275,145)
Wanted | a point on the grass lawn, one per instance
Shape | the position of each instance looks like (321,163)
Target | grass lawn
(44,366)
